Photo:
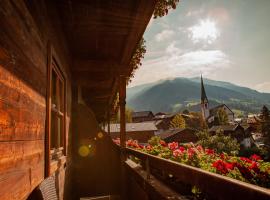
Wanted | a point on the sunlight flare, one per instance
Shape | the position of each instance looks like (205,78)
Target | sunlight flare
(205,31)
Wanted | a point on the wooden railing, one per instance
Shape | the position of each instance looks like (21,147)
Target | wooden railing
(216,186)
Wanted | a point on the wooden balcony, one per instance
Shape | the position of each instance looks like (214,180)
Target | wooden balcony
(164,179)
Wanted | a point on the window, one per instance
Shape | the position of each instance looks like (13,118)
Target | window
(57,109)
(56,113)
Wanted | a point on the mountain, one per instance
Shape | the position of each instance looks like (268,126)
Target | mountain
(184,93)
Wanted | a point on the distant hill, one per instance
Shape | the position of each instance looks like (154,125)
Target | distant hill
(184,93)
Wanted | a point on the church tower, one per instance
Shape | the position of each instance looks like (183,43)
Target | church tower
(204,102)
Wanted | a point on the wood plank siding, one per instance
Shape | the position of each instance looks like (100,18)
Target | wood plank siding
(89,43)
(23,74)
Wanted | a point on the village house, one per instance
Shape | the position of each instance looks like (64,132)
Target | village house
(254,122)
(235,131)
(141,132)
(180,135)
(163,120)
(142,116)
(229,112)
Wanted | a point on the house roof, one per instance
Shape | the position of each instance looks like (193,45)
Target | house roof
(245,126)
(253,120)
(142,114)
(214,110)
(165,116)
(224,128)
(133,127)
(171,132)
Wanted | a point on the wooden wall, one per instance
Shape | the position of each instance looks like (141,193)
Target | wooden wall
(26,27)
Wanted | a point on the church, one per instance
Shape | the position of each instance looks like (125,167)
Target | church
(209,114)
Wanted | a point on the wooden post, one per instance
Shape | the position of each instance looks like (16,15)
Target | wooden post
(122,101)
(109,122)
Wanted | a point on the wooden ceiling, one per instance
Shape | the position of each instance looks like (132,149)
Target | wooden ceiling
(102,36)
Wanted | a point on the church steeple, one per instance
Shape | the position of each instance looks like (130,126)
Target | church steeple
(204,101)
(204,98)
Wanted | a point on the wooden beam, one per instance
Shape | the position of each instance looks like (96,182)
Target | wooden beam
(82,65)
(90,83)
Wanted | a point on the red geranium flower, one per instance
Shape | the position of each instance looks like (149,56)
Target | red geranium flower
(220,166)
(163,143)
(245,159)
(223,167)
(209,151)
(254,167)
(255,157)
(182,149)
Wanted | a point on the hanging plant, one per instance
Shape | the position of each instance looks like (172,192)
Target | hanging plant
(163,6)
(136,58)
(161,9)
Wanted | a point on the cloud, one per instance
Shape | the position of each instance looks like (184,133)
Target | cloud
(263,87)
(175,62)
(204,31)
(195,13)
(164,35)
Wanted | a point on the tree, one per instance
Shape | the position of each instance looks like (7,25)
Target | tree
(222,117)
(178,122)
(265,122)
(186,112)
(219,142)
(155,140)
(198,121)
(129,112)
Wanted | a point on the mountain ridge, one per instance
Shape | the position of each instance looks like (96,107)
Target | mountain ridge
(173,95)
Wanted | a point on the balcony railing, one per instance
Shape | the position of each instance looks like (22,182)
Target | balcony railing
(212,185)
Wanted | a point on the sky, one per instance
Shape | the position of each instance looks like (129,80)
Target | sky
(226,40)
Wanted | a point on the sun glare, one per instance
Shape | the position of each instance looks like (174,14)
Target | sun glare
(205,31)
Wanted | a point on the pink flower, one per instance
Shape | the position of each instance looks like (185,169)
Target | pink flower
(173,145)
(190,152)
(149,148)
(255,157)
(199,148)
(177,153)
